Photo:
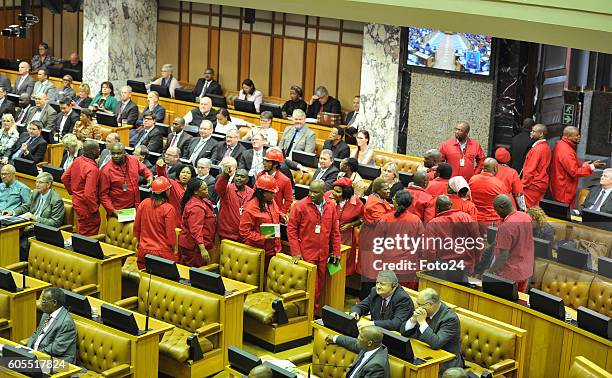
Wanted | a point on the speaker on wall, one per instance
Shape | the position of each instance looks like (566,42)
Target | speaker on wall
(249,15)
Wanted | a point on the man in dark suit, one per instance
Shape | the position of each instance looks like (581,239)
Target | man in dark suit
(202,112)
(230,147)
(6,106)
(30,145)
(203,172)
(126,108)
(171,158)
(321,101)
(42,112)
(6,83)
(326,171)
(207,85)
(105,155)
(252,159)
(521,143)
(141,153)
(64,122)
(149,135)
(24,83)
(203,146)
(437,325)
(388,304)
(335,143)
(178,138)
(56,333)
(21,111)
(599,197)
(372,357)
(351,116)
(159,112)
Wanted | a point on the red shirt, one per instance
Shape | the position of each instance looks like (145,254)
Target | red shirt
(565,170)
(375,208)
(81,181)
(464,205)
(485,187)
(199,223)
(304,222)
(511,180)
(473,157)
(154,227)
(437,187)
(515,234)
(250,221)
(535,169)
(423,203)
(284,197)
(231,201)
(112,179)
(175,195)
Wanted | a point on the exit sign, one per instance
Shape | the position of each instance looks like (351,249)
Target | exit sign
(569,112)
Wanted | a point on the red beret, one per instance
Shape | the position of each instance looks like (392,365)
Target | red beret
(502,155)
(343,182)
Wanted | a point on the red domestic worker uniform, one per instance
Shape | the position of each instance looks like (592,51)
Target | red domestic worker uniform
(284,196)
(81,181)
(437,187)
(348,211)
(250,232)
(485,187)
(118,186)
(515,234)
(198,227)
(375,208)
(315,236)
(465,163)
(452,235)
(511,180)
(154,227)
(565,169)
(464,205)
(232,202)
(535,173)
(423,203)
(175,195)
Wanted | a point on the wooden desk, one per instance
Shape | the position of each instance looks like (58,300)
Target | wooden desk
(232,313)
(62,369)
(122,131)
(145,348)
(54,154)
(22,306)
(552,344)
(429,369)
(9,243)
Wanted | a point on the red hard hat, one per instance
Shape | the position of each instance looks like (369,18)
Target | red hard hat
(267,183)
(275,155)
(160,184)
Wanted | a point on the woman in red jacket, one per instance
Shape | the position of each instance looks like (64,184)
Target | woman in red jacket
(261,209)
(197,236)
(350,210)
(155,224)
(185,173)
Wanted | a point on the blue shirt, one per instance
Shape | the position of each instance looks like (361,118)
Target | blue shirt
(13,196)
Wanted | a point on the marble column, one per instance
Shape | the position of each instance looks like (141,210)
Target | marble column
(119,41)
(380,85)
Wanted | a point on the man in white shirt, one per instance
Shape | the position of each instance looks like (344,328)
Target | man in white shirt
(56,334)
(252,159)
(44,86)
(600,198)
(202,146)
(64,122)
(372,357)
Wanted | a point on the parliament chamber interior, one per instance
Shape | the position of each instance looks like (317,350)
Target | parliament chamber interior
(305,189)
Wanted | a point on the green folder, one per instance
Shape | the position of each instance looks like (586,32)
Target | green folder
(333,268)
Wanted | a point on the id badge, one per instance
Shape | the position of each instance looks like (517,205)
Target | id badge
(462,162)
(240,211)
(318,229)
(124,187)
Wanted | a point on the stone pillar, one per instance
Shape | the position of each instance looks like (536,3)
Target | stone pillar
(119,41)
(379,111)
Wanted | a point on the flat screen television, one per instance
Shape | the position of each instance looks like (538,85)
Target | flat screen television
(449,51)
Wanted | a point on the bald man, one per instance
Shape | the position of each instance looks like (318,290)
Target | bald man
(514,254)
(431,159)
(535,168)
(42,112)
(454,373)
(377,206)
(372,357)
(126,109)
(464,154)
(485,187)
(422,205)
(565,168)
(261,371)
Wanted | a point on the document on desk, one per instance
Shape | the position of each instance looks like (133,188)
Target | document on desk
(126,215)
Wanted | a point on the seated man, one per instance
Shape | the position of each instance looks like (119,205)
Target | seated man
(388,304)
(599,198)
(141,153)
(326,171)
(322,102)
(372,357)
(437,325)
(203,112)
(335,143)
(44,86)
(30,145)
(454,372)
(42,112)
(13,193)
(148,135)
(56,333)
(261,371)
(74,63)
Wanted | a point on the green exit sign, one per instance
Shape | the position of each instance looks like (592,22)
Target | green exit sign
(569,112)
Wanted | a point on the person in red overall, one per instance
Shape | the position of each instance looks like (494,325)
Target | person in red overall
(534,175)
(459,194)
(185,173)
(81,182)
(232,198)
(197,237)
(261,209)
(155,224)
(284,193)
(350,210)
(485,187)
(439,185)
(464,154)
(314,233)
(510,177)
(422,205)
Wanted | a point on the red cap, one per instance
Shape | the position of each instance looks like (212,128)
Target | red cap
(160,184)
(502,155)
(267,183)
(275,155)
(343,182)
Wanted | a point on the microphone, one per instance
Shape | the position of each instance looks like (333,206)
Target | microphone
(147,313)
(23,282)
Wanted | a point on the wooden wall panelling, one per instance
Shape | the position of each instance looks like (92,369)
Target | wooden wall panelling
(198,52)
(244,60)
(293,64)
(228,59)
(327,67)
(277,66)
(309,74)
(80,35)
(260,62)
(214,51)
(184,61)
(70,28)
(167,44)
(57,35)
(46,24)
(349,76)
